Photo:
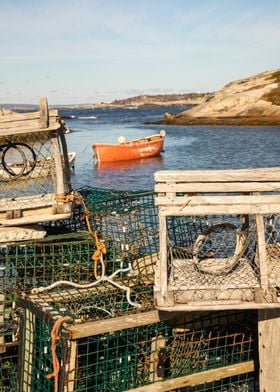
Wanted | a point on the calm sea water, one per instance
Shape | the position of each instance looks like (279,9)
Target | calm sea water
(186,147)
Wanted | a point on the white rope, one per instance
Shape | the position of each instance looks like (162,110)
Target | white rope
(90,285)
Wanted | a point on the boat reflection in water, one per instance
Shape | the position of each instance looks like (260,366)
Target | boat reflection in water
(133,164)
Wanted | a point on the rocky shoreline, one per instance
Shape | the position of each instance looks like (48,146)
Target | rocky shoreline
(251,101)
(170,119)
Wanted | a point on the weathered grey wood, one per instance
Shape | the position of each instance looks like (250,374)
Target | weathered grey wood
(269,343)
(60,190)
(24,233)
(218,187)
(222,305)
(218,200)
(66,165)
(44,112)
(22,117)
(241,175)
(28,129)
(220,210)
(71,368)
(198,378)
(262,254)
(116,324)
(27,202)
(38,216)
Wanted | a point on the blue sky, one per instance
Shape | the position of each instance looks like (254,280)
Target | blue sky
(87,51)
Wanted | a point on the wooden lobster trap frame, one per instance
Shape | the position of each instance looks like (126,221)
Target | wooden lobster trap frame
(16,131)
(250,196)
(147,351)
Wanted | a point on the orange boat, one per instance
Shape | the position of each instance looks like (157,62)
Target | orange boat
(145,147)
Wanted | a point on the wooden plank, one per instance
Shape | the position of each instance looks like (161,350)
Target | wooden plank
(44,112)
(28,129)
(240,175)
(262,254)
(60,190)
(218,200)
(66,165)
(24,233)
(220,210)
(72,367)
(117,324)
(22,117)
(198,378)
(269,343)
(218,187)
(223,305)
(27,202)
(47,216)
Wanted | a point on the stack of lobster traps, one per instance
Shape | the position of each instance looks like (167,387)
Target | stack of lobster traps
(77,307)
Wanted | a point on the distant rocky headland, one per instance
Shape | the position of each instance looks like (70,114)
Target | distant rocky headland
(137,101)
(159,100)
(254,100)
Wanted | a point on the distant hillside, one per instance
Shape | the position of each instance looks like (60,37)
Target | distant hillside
(162,100)
(254,100)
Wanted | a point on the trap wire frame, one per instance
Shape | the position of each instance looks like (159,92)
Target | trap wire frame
(133,351)
(219,239)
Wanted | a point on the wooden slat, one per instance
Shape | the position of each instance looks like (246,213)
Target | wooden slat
(218,187)
(269,341)
(117,324)
(198,378)
(220,210)
(28,129)
(47,216)
(248,175)
(262,252)
(20,117)
(44,113)
(35,201)
(35,122)
(223,305)
(218,200)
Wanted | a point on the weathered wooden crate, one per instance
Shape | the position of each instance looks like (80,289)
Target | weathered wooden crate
(219,239)
(34,168)
(148,351)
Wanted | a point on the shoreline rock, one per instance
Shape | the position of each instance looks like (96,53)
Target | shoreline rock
(170,119)
(250,101)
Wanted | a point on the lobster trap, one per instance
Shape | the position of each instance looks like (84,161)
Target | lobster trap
(127,222)
(68,349)
(30,264)
(34,168)
(219,239)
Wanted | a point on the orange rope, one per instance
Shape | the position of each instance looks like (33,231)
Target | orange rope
(101,248)
(55,338)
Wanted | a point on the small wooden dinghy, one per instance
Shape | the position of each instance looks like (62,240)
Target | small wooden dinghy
(145,147)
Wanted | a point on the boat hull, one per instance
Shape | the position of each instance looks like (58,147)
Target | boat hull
(142,148)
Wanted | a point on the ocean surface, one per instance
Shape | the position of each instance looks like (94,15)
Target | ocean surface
(186,147)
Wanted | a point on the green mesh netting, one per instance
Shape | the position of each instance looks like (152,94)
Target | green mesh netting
(129,358)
